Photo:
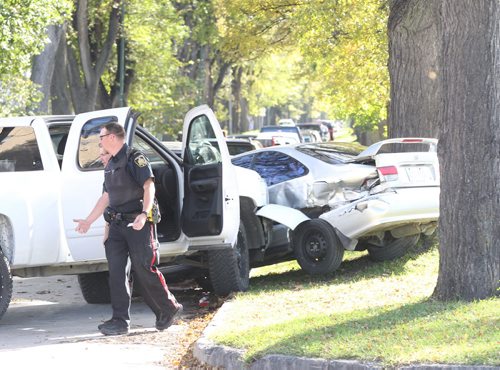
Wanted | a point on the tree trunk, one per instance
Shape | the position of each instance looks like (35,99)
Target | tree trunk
(469,150)
(43,66)
(236,96)
(59,93)
(244,121)
(86,68)
(413,68)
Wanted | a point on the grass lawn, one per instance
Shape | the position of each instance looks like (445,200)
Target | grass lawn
(366,311)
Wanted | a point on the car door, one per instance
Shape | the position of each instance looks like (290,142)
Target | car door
(210,211)
(29,175)
(82,180)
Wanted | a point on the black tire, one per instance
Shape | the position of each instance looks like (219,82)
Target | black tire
(95,287)
(317,248)
(393,248)
(5,284)
(229,269)
(204,282)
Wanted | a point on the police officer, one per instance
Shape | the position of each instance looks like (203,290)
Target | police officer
(126,202)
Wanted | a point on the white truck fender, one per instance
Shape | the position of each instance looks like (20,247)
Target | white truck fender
(287,216)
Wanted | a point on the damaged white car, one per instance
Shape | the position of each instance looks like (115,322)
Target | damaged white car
(342,196)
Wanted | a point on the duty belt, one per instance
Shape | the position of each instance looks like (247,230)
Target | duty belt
(112,216)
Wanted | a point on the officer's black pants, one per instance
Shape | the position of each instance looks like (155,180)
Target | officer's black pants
(141,246)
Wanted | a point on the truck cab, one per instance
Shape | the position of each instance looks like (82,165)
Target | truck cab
(53,174)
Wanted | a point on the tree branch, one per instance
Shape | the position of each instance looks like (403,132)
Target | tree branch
(82,23)
(76,87)
(105,53)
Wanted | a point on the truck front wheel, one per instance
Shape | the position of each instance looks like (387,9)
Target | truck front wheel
(5,284)
(95,287)
(229,269)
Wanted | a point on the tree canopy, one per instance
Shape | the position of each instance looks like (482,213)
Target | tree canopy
(21,24)
(296,58)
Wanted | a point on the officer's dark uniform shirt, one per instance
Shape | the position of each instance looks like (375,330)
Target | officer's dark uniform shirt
(124,178)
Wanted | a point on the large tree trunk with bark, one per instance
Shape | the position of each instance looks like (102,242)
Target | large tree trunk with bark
(469,150)
(413,68)
(43,66)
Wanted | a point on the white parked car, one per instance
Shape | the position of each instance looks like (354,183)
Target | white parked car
(279,135)
(336,196)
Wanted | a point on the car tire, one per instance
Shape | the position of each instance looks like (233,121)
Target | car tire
(393,248)
(95,287)
(317,248)
(229,269)
(6,285)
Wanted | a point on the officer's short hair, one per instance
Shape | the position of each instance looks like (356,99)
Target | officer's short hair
(115,129)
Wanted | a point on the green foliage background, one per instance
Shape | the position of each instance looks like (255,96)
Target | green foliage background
(306,58)
(21,24)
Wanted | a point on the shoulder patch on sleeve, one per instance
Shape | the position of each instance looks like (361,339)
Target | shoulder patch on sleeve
(141,160)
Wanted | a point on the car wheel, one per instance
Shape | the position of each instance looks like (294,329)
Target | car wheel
(95,287)
(229,269)
(5,284)
(393,248)
(317,248)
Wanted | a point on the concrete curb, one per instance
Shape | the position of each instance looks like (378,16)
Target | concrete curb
(229,358)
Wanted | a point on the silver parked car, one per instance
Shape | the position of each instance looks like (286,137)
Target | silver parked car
(342,196)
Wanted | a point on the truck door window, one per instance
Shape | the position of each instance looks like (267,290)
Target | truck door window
(88,147)
(199,143)
(19,150)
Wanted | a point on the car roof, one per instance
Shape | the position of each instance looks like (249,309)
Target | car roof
(294,149)
(279,128)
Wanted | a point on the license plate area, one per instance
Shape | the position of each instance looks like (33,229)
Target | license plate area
(419,174)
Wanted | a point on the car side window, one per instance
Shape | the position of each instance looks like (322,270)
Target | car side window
(199,149)
(19,150)
(88,147)
(276,167)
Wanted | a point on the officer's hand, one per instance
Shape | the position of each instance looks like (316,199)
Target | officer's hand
(83,226)
(139,222)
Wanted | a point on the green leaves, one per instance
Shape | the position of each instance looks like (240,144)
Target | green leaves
(343,45)
(21,24)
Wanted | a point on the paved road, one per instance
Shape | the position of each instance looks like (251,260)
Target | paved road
(49,325)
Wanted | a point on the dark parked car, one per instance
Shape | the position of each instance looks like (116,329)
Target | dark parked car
(235,146)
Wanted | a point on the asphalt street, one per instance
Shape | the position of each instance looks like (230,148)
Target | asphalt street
(49,325)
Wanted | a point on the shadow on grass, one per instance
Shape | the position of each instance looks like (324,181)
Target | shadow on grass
(361,268)
(378,337)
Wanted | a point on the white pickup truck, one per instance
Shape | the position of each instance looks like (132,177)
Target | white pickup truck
(51,174)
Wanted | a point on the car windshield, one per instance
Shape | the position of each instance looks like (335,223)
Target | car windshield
(332,152)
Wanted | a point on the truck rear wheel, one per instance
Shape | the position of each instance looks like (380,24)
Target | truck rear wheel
(229,269)
(5,284)
(95,287)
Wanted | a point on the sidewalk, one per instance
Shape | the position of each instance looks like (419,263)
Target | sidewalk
(225,357)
